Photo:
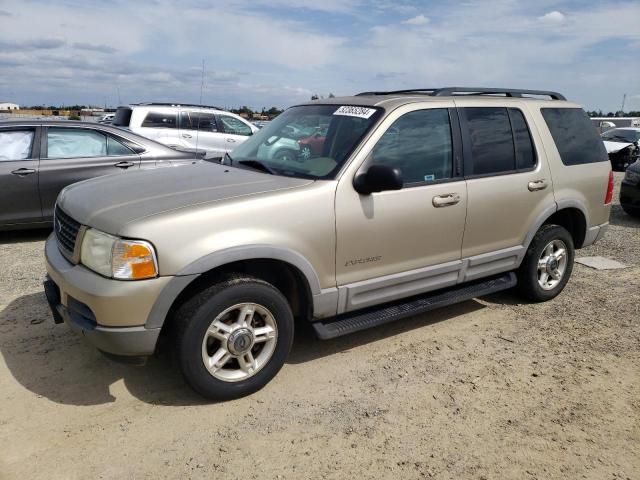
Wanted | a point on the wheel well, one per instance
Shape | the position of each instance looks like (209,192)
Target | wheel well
(284,276)
(573,220)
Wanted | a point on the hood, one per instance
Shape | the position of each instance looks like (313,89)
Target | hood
(613,147)
(108,203)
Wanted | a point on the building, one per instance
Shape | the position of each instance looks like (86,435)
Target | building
(9,106)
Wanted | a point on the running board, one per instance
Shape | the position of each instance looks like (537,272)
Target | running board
(373,317)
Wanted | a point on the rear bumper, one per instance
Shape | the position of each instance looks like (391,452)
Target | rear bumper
(630,196)
(594,234)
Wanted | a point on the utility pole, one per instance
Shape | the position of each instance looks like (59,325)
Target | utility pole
(624,100)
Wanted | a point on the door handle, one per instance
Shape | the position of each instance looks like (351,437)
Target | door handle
(446,200)
(537,185)
(186,135)
(21,172)
(231,140)
(124,164)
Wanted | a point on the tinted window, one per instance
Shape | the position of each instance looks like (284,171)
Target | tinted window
(115,148)
(234,126)
(75,142)
(419,144)
(621,135)
(491,140)
(160,120)
(525,154)
(122,117)
(205,122)
(16,144)
(575,136)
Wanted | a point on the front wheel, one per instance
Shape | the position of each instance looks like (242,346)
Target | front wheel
(547,265)
(233,337)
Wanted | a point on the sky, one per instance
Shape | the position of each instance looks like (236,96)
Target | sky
(264,53)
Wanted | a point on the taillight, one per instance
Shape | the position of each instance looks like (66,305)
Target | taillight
(609,196)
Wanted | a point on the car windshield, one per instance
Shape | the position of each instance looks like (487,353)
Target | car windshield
(309,141)
(621,135)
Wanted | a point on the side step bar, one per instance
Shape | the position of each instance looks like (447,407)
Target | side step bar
(372,317)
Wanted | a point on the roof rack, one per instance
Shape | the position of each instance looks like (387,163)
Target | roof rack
(452,91)
(177,104)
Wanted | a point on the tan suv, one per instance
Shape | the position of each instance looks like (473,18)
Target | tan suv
(413,200)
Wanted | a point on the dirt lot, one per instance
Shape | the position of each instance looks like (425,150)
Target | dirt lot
(488,389)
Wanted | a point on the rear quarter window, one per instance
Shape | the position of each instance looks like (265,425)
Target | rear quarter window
(575,136)
(160,120)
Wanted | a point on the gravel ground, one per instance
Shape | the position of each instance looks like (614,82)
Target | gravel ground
(488,389)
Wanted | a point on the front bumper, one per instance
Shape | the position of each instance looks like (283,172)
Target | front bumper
(110,314)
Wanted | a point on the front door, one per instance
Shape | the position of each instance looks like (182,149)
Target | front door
(72,154)
(236,131)
(19,176)
(399,243)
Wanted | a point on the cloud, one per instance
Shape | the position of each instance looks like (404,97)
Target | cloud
(554,17)
(417,20)
(33,44)
(93,48)
(4,13)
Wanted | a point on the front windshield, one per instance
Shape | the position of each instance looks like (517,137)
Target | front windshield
(621,135)
(310,141)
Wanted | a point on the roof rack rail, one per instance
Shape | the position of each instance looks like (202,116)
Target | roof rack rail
(452,91)
(177,104)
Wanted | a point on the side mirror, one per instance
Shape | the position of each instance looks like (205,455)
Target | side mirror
(378,178)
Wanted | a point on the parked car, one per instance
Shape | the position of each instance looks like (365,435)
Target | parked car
(107,118)
(186,126)
(419,199)
(38,158)
(630,190)
(293,141)
(622,145)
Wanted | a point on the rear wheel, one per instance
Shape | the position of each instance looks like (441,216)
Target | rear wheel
(547,265)
(233,337)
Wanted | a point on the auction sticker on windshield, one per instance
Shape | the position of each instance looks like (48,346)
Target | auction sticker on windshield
(351,111)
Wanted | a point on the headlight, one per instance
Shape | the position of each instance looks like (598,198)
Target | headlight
(631,177)
(118,258)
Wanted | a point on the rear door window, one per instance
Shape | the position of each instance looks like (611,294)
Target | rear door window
(491,140)
(75,143)
(16,144)
(160,120)
(525,153)
(201,121)
(116,149)
(575,136)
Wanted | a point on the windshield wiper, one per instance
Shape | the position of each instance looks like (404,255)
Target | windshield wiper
(257,165)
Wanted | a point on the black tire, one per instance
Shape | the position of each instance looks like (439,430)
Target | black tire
(285,155)
(528,285)
(194,317)
(634,212)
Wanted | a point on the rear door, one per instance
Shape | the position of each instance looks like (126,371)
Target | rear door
(19,150)
(509,185)
(73,154)
(199,130)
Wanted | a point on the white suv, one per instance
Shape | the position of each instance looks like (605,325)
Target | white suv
(186,127)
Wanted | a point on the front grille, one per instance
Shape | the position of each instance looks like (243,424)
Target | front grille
(66,229)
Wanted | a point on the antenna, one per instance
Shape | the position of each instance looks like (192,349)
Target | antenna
(195,154)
